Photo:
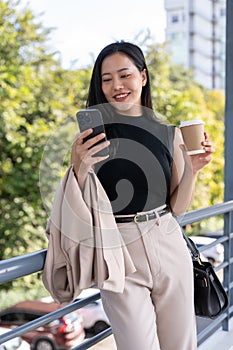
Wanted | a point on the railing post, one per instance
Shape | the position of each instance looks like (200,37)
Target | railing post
(227,269)
(229,115)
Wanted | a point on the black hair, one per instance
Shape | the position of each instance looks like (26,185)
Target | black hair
(96,95)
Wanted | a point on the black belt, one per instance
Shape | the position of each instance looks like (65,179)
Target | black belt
(143,217)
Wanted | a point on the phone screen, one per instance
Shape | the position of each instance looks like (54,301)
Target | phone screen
(92,119)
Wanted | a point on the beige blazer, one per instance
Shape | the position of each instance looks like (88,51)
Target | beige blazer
(85,246)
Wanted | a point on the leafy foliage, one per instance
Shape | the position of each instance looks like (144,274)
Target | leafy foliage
(178,97)
(37,96)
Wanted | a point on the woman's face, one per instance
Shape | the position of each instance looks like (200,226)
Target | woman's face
(122,83)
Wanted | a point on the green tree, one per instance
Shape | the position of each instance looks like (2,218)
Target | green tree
(176,96)
(37,95)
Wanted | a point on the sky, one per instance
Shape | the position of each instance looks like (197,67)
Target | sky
(84,27)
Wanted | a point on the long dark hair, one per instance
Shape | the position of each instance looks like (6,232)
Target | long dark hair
(96,95)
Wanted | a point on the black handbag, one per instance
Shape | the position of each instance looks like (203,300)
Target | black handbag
(210,298)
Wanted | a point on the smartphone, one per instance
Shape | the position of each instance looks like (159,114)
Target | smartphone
(92,119)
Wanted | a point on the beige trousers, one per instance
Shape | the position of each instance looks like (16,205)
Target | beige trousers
(155,311)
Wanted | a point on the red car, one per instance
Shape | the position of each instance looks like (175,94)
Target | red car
(63,333)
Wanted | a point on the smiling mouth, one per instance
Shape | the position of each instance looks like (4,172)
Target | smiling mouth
(121,96)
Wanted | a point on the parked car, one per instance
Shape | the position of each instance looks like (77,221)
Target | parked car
(62,333)
(14,344)
(214,254)
(94,318)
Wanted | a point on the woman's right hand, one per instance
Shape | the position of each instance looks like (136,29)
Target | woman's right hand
(82,154)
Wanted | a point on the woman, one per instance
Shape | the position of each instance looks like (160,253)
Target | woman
(149,179)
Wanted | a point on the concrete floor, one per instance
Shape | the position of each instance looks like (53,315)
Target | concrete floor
(220,340)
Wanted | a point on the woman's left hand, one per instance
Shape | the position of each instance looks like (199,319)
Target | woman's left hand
(198,161)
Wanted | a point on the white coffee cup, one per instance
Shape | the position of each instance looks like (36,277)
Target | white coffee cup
(193,135)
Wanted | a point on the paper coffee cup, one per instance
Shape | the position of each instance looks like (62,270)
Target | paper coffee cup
(193,135)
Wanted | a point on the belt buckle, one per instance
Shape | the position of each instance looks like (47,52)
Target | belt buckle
(135,219)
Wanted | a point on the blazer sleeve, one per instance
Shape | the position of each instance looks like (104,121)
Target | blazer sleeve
(62,275)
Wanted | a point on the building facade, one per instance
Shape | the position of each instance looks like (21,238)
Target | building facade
(195,36)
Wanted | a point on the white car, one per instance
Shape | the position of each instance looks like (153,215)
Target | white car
(214,254)
(14,344)
(94,318)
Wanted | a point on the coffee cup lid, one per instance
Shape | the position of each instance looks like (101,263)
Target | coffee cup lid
(191,122)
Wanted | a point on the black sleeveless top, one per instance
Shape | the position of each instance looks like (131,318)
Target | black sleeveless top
(137,175)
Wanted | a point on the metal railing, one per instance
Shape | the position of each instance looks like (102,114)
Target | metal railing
(11,269)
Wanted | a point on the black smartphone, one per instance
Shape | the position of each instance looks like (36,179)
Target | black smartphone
(92,119)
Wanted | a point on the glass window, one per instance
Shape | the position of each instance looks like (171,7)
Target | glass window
(11,317)
(175,18)
(18,316)
(222,12)
(177,47)
(27,316)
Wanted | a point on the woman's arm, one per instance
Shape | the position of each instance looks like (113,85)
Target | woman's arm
(184,172)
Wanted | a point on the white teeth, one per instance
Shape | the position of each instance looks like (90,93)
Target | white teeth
(121,96)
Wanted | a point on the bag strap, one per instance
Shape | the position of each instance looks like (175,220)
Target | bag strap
(191,245)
